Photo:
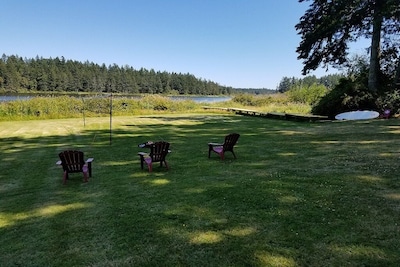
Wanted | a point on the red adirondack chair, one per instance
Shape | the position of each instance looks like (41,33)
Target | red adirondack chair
(72,161)
(221,148)
(158,153)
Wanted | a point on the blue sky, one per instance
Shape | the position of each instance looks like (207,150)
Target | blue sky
(238,43)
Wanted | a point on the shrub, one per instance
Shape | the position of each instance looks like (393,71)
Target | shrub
(97,105)
(390,100)
(307,94)
(155,102)
(346,96)
(244,99)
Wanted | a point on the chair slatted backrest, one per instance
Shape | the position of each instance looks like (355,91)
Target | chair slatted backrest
(230,141)
(159,151)
(72,160)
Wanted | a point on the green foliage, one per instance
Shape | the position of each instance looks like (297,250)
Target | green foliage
(348,95)
(155,102)
(73,107)
(352,92)
(329,81)
(251,100)
(390,101)
(60,75)
(307,94)
(99,106)
(244,99)
(327,27)
(41,107)
(274,103)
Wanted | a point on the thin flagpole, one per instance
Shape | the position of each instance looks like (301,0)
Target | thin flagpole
(111,104)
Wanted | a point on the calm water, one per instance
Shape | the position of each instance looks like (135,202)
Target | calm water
(198,99)
(203,99)
(5,98)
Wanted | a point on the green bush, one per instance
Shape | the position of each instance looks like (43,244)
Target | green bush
(244,99)
(307,94)
(390,100)
(155,102)
(348,95)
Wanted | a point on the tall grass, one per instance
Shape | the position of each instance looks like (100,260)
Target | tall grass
(279,103)
(72,107)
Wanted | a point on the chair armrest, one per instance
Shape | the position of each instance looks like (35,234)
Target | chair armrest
(215,144)
(59,162)
(89,160)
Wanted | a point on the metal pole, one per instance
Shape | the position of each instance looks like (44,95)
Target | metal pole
(83,112)
(111,104)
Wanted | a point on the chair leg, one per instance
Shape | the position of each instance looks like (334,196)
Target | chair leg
(85,173)
(85,177)
(141,161)
(65,177)
(89,164)
(166,164)
(149,163)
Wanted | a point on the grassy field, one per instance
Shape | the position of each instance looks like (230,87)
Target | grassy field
(298,194)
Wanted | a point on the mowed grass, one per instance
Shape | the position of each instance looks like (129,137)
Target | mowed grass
(298,194)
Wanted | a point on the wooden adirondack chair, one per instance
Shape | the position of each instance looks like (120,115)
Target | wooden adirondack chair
(221,148)
(72,161)
(158,153)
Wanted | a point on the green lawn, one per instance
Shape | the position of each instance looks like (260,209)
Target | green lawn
(298,194)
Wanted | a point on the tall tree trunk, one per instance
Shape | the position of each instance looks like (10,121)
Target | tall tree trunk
(374,62)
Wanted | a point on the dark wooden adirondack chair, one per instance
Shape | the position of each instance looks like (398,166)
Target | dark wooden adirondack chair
(221,148)
(158,153)
(72,161)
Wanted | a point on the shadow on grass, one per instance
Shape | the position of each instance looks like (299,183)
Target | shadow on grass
(298,194)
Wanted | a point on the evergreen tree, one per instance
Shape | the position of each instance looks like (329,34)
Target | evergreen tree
(328,26)
(58,74)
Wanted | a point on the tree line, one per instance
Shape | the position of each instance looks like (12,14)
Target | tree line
(47,75)
(328,81)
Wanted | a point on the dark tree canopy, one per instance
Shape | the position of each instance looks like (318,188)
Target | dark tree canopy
(328,26)
(60,75)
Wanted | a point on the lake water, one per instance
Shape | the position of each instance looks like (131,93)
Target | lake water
(203,99)
(198,99)
(5,98)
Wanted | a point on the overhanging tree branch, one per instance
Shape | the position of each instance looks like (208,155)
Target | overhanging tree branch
(327,28)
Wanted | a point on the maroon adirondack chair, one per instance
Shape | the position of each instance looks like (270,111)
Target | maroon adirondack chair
(72,161)
(158,153)
(221,148)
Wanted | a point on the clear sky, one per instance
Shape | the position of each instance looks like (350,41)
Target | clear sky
(238,43)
